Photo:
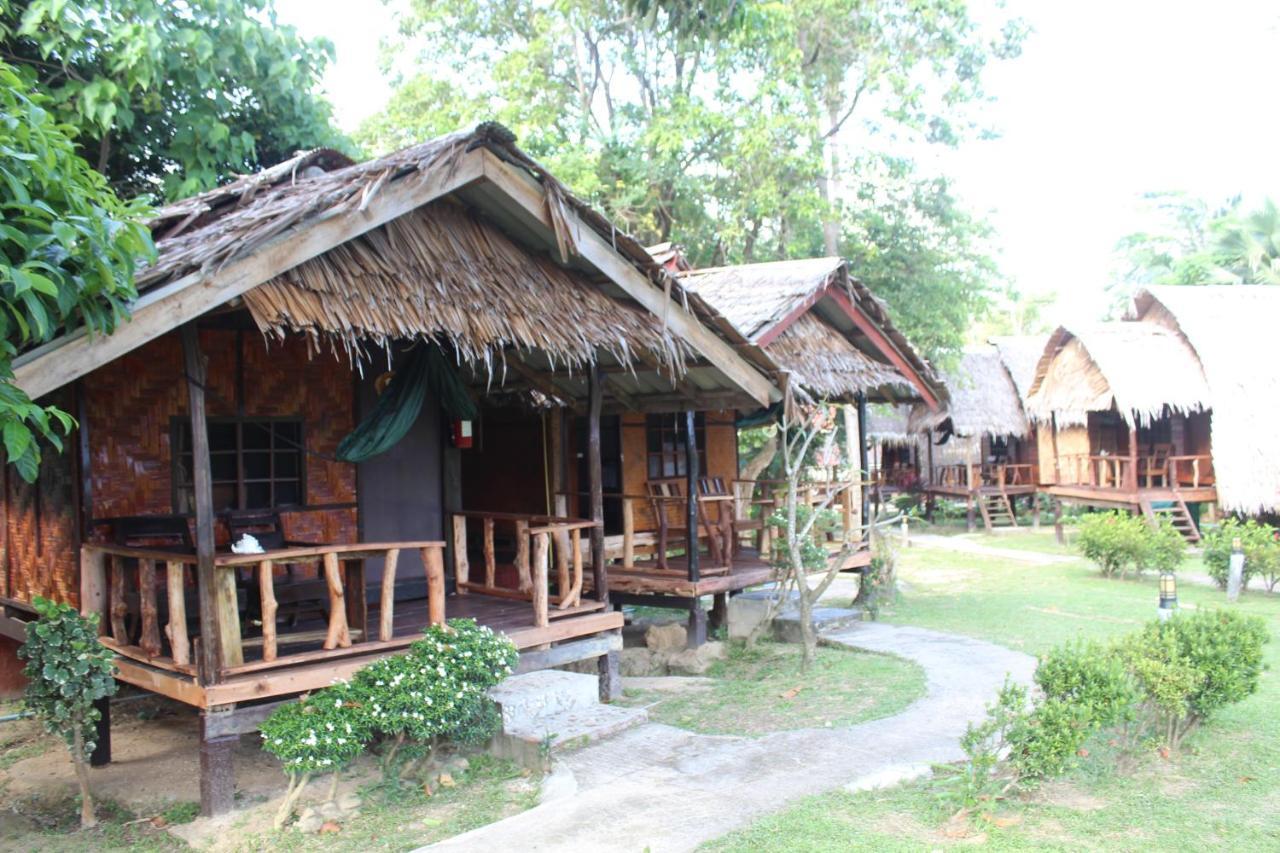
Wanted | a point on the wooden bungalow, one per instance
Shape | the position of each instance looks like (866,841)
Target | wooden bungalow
(1232,330)
(319,301)
(895,454)
(833,339)
(979,448)
(1124,415)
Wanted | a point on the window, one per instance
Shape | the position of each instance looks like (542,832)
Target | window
(666,441)
(255,463)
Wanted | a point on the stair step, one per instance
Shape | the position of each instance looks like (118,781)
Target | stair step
(578,725)
(525,699)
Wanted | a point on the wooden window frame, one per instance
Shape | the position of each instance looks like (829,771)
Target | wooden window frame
(179,450)
(674,426)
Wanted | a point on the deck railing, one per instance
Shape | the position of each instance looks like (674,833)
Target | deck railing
(537,540)
(132,606)
(1117,471)
(972,475)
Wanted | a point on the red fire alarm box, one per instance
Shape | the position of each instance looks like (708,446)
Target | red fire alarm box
(461,434)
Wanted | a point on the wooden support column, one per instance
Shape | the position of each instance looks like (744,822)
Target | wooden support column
(101,755)
(691,494)
(861,497)
(217,773)
(1131,479)
(596,479)
(1053,440)
(211,653)
(608,666)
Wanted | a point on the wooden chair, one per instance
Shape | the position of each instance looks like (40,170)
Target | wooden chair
(295,596)
(667,497)
(745,498)
(1155,469)
(718,501)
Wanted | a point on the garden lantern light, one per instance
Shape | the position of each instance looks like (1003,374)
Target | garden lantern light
(1168,594)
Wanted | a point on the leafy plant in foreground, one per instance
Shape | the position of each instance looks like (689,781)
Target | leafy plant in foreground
(67,671)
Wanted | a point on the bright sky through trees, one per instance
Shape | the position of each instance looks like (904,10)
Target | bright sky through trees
(1108,101)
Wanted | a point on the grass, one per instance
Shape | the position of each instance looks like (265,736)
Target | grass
(1219,792)
(762,690)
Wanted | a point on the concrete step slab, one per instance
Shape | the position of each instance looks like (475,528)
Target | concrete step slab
(533,743)
(533,696)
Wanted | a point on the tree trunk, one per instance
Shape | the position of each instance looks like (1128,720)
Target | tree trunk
(87,818)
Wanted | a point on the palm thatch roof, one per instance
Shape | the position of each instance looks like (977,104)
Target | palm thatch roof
(819,324)
(982,399)
(1143,369)
(1020,354)
(463,240)
(887,424)
(1232,329)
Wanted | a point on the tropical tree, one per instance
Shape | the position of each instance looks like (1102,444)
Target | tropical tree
(68,248)
(719,124)
(171,98)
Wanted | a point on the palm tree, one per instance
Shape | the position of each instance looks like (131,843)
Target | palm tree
(1246,247)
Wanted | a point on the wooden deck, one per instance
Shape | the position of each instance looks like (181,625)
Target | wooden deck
(1103,496)
(646,579)
(304,670)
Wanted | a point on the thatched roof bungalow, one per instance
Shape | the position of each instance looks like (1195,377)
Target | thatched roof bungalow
(1231,329)
(821,325)
(438,275)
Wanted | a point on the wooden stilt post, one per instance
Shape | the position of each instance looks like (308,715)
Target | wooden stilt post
(691,493)
(101,755)
(217,773)
(595,475)
(1131,479)
(864,508)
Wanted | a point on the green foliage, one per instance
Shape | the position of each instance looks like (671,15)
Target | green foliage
(718,125)
(1160,682)
(436,690)
(1117,541)
(320,733)
(813,552)
(1260,546)
(67,671)
(68,249)
(172,97)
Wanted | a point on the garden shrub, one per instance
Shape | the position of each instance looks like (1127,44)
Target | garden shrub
(1164,548)
(67,671)
(1261,551)
(1113,540)
(437,690)
(1159,683)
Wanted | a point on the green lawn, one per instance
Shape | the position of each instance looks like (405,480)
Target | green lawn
(754,692)
(1221,792)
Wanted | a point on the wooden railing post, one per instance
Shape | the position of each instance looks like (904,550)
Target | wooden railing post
(522,555)
(541,618)
(119,610)
(149,639)
(267,594)
(227,610)
(94,585)
(387,606)
(573,596)
(179,636)
(461,566)
(490,558)
(433,561)
(628,533)
(338,634)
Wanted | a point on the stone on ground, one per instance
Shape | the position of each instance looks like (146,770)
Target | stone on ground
(666,638)
(696,661)
(640,661)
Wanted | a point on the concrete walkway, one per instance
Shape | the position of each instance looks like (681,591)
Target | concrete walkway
(665,789)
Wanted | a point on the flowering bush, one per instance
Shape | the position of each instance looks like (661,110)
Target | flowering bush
(67,671)
(1118,540)
(437,690)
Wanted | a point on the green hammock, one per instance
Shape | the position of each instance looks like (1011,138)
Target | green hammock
(425,370)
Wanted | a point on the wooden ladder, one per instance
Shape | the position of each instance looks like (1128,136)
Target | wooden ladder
(996,508)
(1177,514)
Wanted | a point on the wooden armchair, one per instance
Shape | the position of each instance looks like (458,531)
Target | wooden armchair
(667,499)
(1155,467)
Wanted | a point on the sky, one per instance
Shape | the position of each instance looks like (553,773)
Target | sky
(1108,101)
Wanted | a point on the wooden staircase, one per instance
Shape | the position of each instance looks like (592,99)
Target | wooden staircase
(1176,514)
(996,507)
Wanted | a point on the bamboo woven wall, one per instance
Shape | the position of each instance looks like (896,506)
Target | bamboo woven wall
(131,403)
